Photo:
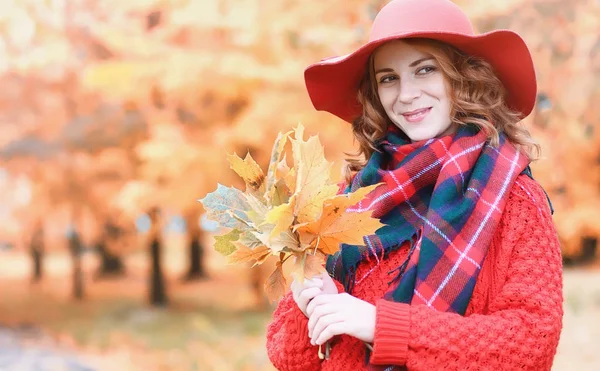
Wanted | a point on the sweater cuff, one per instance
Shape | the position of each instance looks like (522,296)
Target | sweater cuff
(392,332)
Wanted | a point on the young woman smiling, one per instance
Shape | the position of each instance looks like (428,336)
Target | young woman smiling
(466,274)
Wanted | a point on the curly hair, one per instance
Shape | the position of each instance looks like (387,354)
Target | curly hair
(477,97)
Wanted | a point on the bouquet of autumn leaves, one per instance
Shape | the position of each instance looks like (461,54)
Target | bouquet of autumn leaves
(291,212)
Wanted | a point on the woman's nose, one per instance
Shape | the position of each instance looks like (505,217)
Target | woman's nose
(409,91)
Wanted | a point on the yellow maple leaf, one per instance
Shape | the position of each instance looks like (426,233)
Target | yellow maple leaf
(290,179)
(277,151)
(279,193)
(277,243)
(314,199)
(282,169)
(335,226)
(312,178)
(281,216)
(249,171)
(350,199)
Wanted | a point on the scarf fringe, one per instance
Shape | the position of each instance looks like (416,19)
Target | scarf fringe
(349,279)
(414,241)
(402,268)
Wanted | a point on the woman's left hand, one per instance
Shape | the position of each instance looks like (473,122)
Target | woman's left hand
(337,314)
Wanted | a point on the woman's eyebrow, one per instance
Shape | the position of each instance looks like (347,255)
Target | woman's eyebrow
(387,69)
(420,60)
(413,64)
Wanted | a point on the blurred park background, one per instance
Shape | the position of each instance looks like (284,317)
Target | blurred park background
(116,117)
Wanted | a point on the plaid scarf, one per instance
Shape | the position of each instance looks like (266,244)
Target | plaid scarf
(445,196)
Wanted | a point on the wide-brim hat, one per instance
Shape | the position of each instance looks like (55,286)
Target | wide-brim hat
(332,83)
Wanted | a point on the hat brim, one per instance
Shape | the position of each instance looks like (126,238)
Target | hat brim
(332,83)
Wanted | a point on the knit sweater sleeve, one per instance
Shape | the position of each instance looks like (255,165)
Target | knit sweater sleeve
(288,344)
(520,328)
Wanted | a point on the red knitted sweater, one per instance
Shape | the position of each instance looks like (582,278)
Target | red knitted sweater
(513,320)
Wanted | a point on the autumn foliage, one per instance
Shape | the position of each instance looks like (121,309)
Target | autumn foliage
(110,101)
(289,212)
(111,105)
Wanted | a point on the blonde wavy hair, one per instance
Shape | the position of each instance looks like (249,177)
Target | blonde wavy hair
(477,97)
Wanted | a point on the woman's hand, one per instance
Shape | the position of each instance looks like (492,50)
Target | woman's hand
(304,292)
(337,314)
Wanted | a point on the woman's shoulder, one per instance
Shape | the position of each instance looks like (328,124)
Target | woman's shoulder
(527,203)
(528,192)
(526,226)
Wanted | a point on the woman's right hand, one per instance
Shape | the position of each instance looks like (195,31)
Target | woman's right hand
(304,292)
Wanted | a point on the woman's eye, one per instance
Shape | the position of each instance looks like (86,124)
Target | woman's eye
(425,70)
(385,79)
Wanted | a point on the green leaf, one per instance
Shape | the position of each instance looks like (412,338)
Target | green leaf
(224,244)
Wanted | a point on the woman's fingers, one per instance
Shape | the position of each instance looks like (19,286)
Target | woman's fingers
(305,291)
(329,286)
(308,294)
(316,314)
(328,332)
(313,282)
(357,317)
(321,323)
(298,287)
(320,300)
(305,296)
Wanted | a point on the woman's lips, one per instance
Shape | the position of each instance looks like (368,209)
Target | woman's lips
(417,115)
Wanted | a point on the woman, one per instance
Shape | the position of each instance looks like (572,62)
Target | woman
(466,274)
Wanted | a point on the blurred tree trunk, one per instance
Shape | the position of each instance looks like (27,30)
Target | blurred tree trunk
(158,293)
(37,256)
(196,269)
(76,248)
(76,199)
(36,249)
(110,265)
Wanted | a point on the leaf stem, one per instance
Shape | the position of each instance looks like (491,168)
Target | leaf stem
(286,258)
(324,356)
(250,225)
(317,244)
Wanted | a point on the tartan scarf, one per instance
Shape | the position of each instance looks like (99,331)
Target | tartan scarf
(445,196)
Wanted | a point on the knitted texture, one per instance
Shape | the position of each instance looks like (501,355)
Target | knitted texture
(513,320)
(452,189)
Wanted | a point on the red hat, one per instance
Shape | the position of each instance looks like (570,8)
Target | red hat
(333,82)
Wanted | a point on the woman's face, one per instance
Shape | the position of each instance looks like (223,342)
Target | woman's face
(413,90)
